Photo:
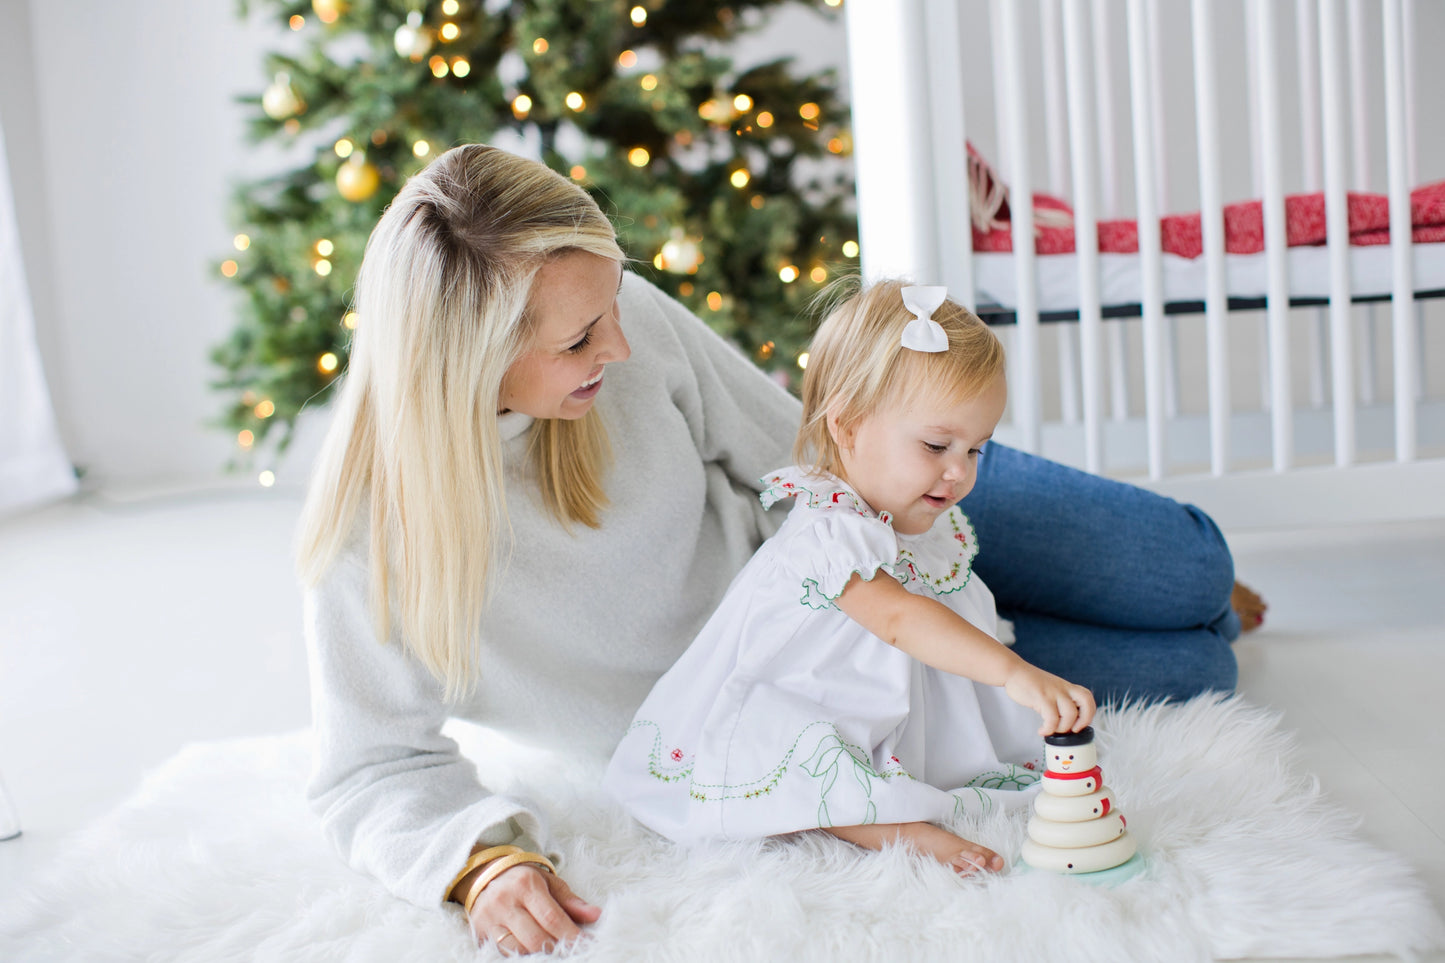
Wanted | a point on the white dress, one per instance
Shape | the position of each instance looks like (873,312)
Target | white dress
(785,715)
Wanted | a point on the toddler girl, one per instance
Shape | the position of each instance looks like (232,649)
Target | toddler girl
(820,696)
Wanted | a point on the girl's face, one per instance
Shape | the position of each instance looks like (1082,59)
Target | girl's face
(914,461)
(576,333)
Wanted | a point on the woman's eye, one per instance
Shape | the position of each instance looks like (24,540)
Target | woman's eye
(936,449)
(586,340)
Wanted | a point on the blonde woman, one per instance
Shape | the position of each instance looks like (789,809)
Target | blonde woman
(541,476)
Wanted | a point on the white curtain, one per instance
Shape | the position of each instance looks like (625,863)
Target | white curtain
(33,464)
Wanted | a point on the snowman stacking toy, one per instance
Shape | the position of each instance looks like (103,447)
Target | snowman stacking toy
(1075,827)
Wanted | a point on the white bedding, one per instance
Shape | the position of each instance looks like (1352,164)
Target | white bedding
(1184,278)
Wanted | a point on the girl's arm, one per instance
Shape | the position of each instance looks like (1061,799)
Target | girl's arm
(933,633)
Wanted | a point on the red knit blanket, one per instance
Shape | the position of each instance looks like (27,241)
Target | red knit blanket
(1180,233)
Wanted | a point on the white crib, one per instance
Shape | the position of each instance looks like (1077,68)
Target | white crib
(1326,82)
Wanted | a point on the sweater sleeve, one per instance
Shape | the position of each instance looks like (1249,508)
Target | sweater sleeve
(395,797)
(740,418)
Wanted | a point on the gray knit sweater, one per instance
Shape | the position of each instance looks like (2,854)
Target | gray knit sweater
(580,625)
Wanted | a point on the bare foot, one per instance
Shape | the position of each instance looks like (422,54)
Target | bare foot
(1250,607)
(962,856)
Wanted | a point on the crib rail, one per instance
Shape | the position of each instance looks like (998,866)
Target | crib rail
(916,67)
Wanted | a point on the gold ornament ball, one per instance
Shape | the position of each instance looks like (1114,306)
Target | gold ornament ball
(681,254)
(280,100)
(357,180)
(413,41)
(329,10)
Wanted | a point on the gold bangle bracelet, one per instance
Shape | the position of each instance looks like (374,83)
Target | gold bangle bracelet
(499,866)
(478,859)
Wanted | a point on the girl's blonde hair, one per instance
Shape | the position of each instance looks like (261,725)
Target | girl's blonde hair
(857,366)
(442,299)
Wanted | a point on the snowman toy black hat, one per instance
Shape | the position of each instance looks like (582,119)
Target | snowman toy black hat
(1081,738)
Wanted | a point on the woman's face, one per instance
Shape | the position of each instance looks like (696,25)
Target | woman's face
(575,334)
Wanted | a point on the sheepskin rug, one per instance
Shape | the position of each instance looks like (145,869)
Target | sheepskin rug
(217,858)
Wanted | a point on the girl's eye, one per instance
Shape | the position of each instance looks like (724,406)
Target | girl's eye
(974,452)
(586,340)
(936,449)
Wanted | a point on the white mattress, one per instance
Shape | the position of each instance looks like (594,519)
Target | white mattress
(1184,278)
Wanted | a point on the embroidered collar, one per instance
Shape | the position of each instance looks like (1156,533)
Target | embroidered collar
(941,558)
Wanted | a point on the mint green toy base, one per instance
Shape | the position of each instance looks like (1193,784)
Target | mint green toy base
(1104,877)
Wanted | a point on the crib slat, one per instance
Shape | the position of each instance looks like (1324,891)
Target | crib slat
(1337,229)
(1402,301)
(1362,138)
(1150,255)
(1307,60)
(1086,237)
(1024,398)
(1275,238)
(1109,187)
(949,140)
(1056,141)
(1211,212)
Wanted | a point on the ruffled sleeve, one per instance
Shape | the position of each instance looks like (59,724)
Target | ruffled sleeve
(836,537)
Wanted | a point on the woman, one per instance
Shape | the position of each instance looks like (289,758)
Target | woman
(503,526)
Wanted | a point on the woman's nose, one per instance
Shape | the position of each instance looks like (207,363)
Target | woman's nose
(613,346)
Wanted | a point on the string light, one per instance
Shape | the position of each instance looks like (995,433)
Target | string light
(765,350)
(349,320)
(578,172)
(819,274)
(808,111)
(327,363)
(638,157)
(757,202)
(714,300)
(803,360)
(521,106)
(850,248)
(323,267)
(788,274)
(438,65)
(742,102)
(292,126)
(740,178)
(267,478)
(539,46)
(685,289)
(639,16)
(229,268)
(421,148)
(657,260)
(245,439)
(627,59)
(451,7)
(297,21)
(343,148)
(765,119)
(378,137)
(265,409)
(575,101)
(461,66)
(648,82)
(835,145)
(241,241)
(449,32)
(324,247)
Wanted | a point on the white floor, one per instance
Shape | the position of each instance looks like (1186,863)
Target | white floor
(129,627)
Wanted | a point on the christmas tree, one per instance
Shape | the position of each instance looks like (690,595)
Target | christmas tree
(730,186)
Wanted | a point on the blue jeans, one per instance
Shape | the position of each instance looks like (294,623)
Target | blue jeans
(1108,585)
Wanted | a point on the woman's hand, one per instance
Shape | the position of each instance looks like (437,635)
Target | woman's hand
(1063,706)
(529,910)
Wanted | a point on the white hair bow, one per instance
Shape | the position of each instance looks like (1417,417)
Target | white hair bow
(923,333)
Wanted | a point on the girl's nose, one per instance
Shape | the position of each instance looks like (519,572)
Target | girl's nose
(613,346)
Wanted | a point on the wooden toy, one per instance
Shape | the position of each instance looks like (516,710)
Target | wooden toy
(1075,827)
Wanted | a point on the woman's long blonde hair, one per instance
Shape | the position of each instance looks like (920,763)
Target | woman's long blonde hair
(442,300)
(856,363)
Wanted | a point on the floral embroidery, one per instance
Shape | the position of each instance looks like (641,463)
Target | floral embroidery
(945,571)
(824,764)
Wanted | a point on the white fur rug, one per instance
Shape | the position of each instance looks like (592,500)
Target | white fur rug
(216,858)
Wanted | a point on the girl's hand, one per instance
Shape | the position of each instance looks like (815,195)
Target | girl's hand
(1064,707)
(529,910)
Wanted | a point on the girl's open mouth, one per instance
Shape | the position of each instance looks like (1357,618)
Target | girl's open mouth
(589,389)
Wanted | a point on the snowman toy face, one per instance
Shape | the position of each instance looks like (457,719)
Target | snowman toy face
(1071,752)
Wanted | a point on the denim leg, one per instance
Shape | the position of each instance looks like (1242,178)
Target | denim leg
(1128,663)
(1060,542)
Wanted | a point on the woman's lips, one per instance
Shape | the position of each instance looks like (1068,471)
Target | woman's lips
(589,389)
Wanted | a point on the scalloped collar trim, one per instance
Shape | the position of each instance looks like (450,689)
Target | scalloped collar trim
(941,558)
(823,491)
